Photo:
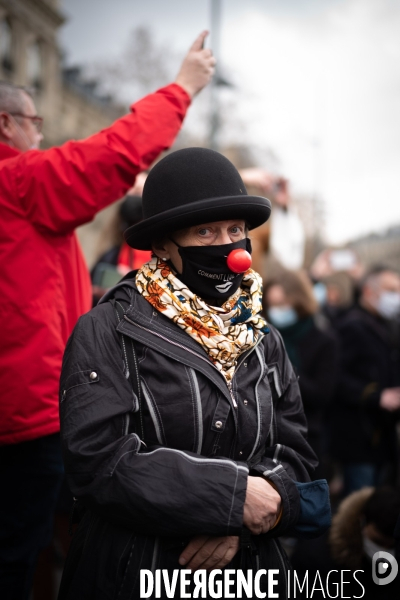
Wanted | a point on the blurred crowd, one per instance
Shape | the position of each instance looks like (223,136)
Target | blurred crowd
(340,322)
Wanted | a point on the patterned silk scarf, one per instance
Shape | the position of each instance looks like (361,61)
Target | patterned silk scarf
(224,332)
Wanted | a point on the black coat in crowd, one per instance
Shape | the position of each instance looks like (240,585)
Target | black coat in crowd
(156,468)
(313,349)
(370,362)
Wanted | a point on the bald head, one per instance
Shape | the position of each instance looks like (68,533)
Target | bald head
(13,98)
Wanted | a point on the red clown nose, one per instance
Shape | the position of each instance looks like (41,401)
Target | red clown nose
(239,260)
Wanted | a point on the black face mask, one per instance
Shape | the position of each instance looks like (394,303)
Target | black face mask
(206,273)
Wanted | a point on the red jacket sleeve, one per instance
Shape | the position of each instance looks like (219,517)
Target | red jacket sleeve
(64,187)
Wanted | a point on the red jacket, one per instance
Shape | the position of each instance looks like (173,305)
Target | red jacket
(45,285)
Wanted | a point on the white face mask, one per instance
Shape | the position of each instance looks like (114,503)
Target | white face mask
(320,293)
(370,547)
(388,305)
(282,316)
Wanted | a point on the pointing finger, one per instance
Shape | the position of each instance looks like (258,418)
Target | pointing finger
(199,41)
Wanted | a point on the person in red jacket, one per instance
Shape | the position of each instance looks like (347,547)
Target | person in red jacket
(45,284)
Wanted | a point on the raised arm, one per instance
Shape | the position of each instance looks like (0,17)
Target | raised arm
(63,187)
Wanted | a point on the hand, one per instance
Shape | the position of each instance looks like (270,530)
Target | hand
(262,505)
(390,399)
(209,552)
(197,68)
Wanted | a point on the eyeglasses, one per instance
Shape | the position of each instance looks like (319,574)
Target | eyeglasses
(36,120)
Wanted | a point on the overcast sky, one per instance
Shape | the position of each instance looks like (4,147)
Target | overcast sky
(318,81)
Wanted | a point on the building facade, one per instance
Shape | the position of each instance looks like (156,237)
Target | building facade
(30,56)
(379,248)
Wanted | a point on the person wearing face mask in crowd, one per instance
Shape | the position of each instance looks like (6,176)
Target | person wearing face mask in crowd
(335,295)
(45,284)
(312,347)
(198,416)
(367,403)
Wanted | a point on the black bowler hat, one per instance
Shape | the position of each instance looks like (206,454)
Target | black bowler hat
(189,187)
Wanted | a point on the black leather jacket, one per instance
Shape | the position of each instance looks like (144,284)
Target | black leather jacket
(158,467)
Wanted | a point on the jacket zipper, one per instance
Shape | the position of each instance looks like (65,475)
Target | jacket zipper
(248,353)
(229,385)
(272,438)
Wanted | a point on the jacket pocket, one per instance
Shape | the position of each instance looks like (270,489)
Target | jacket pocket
(315,509)
(79,378)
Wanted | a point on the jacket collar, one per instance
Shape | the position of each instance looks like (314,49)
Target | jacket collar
(8,152)
(144,314)
(141,312)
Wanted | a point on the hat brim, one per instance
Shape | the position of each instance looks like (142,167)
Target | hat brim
(255,210)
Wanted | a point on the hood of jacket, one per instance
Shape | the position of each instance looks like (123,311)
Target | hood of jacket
(345,536)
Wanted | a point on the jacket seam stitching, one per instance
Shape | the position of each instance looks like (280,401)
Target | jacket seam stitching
(79,385)
(76,373)
(122,456)
(199,409)
(193,408)
(138,387)
(259,423)
(128,437)
(217,462)
(157,415)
